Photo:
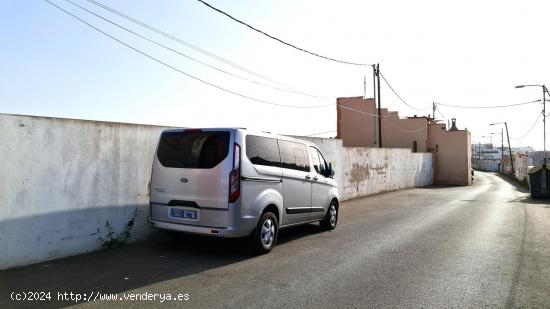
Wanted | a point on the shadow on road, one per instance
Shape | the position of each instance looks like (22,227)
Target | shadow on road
(133,266)
(527,199)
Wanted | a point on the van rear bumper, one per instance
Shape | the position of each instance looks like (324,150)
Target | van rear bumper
(202,230)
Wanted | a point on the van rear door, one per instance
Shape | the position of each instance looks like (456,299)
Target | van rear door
(191,168)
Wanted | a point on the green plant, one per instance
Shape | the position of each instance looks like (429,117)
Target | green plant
(112,240)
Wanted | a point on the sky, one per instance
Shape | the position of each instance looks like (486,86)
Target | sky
(470,53)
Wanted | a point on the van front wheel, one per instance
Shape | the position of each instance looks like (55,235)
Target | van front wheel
(266,232)
(331,219)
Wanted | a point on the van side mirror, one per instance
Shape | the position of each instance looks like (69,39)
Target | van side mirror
(330,172)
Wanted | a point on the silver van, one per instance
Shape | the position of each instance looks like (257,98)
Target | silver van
(231,182)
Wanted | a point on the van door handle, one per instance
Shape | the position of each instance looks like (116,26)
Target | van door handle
(308,177)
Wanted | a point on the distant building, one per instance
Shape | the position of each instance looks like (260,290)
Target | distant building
(487,158)
(357,126)
(538,157)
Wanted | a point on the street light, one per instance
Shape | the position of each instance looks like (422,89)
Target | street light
(544,91)
(509,147)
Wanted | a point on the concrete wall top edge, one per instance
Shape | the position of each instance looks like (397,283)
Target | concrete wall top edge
(86,120)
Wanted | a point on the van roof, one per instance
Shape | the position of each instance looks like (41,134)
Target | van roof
(254,132)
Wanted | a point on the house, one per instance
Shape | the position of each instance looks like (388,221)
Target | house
(357,126)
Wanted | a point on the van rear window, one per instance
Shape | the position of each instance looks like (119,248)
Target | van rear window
(193,149)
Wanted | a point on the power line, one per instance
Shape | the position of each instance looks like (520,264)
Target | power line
(189,57)
(494,106)
(528,131)
(180,71)
(189,75)
(366,113)
(439,111)
(279,40)
(189,45)
(408,131)
(315,134)
(398,96)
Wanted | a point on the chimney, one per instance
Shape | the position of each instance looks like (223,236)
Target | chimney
(453,126)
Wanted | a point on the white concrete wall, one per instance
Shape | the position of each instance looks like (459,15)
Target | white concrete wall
(521,166)
(362,171)
(61,180)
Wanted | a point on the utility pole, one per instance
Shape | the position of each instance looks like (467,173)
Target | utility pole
(544,123)
(510,148)
(433,106)
(375,100)
(501,150)
(379,107)
(544,91)
(543,179)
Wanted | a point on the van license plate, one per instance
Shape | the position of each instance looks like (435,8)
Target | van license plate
(183,213)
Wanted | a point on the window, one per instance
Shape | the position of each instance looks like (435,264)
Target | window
(193,149)
(315,160)
(263,151)
(324,165)
(319,163)
(293,156)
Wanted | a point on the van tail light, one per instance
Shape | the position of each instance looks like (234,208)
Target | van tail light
(235,175)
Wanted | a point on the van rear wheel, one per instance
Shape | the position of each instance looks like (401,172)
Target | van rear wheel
(331,219)
(266,232)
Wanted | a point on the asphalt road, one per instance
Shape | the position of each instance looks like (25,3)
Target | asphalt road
(486,245)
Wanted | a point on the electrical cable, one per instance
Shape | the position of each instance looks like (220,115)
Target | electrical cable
(189,45)
(321,133)
(279,40)
(494,106)
(398,96)
(528,131)
(439,111)
(180,71)
(366,113)
(189,57)
(408,131)
(191,76)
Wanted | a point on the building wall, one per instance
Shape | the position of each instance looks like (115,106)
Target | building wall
(358,129)
(63,180)
(522,162)
(452,155)
(354,128)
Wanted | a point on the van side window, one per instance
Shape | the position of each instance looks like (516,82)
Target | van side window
(263,151)
(315,160)
(294,156)
(319,163)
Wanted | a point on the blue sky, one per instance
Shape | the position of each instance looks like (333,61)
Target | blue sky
(462,52)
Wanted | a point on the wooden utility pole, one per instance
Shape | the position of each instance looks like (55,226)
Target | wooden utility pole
(374,103)
(509,148)
(379,107)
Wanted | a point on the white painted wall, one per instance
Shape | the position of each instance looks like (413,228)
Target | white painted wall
(364,171)
(61,180)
